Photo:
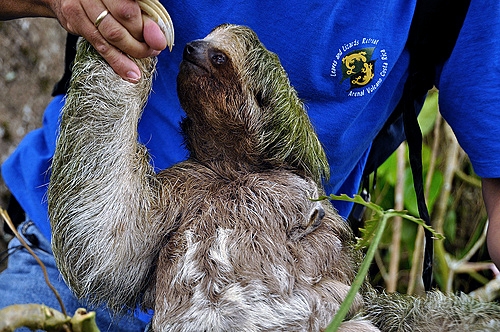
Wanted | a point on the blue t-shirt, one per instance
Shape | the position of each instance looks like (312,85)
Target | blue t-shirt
(347,61)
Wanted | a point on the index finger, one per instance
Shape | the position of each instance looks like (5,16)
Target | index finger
(117,35)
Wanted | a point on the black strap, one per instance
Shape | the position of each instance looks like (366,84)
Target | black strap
(433,34)
(414,140)
(62,86)
(16,214)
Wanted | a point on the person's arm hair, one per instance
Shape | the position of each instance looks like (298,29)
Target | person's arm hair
(491,196)
(12,9)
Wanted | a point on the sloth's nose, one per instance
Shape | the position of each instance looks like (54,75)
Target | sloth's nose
(195,49)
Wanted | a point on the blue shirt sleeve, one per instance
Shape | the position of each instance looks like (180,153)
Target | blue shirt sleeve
(469,87)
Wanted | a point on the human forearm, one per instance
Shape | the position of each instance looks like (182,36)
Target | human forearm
(123,30)
(491,196)
(12,9)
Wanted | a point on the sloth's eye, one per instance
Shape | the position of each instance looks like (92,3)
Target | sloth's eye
(218,58)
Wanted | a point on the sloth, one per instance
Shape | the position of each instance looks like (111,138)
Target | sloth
(229,239)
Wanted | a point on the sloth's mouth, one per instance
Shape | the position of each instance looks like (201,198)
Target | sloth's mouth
(192,64)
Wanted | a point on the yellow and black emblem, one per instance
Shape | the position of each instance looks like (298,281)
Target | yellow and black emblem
(358,67)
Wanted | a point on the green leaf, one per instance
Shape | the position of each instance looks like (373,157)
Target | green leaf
(380,212)
(355,199)
(388,170)
(418,221)
(367,234)
(427,116)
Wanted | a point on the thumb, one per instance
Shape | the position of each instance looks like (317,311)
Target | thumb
(152,34)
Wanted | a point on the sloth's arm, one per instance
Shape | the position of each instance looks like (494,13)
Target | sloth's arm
(103,194)
(104,197)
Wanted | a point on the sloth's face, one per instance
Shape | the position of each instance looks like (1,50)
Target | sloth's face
(211,63)
(225,48)
(210,84)
(229,67)
(202,58)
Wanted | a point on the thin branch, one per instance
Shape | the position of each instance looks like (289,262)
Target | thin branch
(491,290)
(7,219)
(34,317)
(468,178)
(40,317)
(380,265)
(479,243)
(416,284)
(434,152)
(395,255)
(450,162)
(463,265)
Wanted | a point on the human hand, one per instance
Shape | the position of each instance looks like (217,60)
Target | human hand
(123,31)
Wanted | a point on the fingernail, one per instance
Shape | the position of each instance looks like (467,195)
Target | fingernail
(133,77)
(155,53)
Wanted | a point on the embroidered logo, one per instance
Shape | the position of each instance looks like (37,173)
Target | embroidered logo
(357,66)
(361,66)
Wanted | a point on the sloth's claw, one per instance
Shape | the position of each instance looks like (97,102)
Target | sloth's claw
(155,10)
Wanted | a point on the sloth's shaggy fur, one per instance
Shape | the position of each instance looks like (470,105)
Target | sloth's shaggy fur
(227,240)
(433,312)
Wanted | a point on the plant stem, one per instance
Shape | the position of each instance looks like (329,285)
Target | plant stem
(360,276)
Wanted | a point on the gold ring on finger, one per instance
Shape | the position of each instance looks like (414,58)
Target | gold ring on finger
(101,17)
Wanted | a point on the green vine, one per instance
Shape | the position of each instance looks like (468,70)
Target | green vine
(371,236)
